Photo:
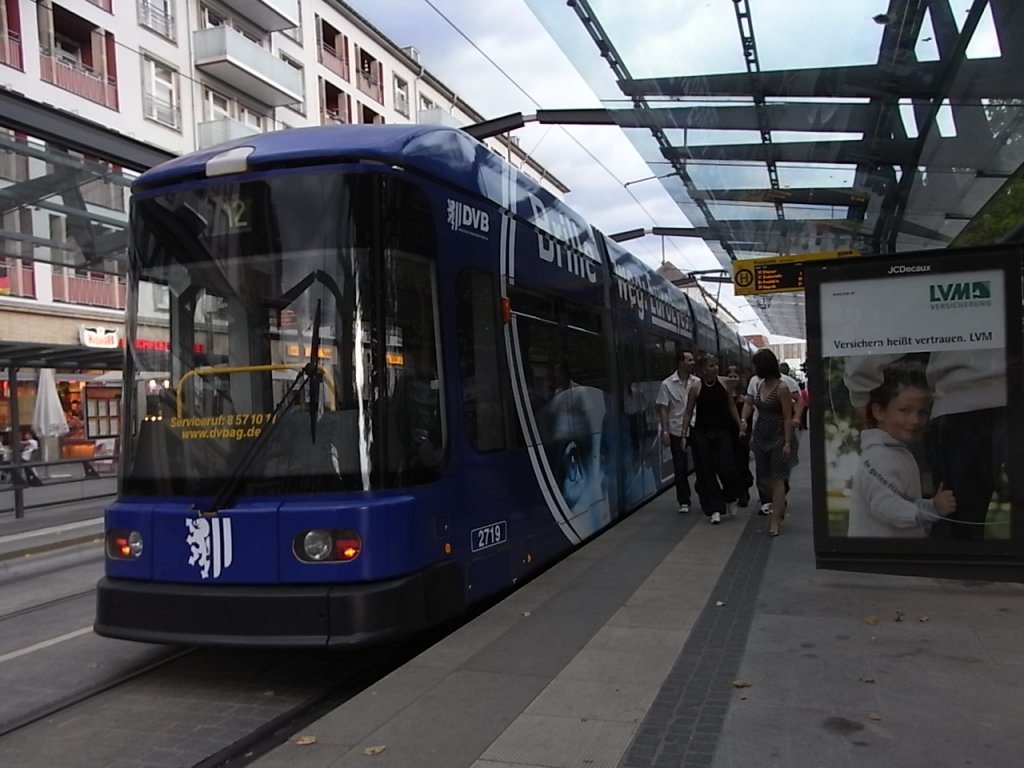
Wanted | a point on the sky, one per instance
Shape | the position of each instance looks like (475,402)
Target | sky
(499,59)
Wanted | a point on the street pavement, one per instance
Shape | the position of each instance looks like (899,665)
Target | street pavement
(671,642)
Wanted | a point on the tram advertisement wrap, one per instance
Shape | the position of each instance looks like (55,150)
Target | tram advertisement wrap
(913,361)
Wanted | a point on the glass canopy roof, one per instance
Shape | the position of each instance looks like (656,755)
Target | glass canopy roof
(783,127)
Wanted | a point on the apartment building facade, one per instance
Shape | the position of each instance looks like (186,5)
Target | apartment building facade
(92,92)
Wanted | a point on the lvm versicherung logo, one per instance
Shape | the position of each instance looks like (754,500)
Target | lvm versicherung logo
(977,293)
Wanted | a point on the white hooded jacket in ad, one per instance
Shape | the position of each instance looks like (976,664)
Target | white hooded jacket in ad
(886,499)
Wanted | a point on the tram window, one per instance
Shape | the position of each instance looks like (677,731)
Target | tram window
(532,304)
(415,440)
(538,352)
(586,355)
(582,318)
(482,412)
(661,357)
(567,370)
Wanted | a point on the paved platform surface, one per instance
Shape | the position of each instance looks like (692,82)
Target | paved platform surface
(671,642)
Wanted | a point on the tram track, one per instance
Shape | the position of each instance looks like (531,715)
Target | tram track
(29,610)
(216,708)
(377,665)
(67,702)
(275,732)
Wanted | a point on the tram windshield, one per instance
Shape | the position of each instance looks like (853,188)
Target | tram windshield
(300,317)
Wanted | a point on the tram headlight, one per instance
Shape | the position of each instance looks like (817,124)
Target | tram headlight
(317,545)
(326,546)
(124,544)
(135,544)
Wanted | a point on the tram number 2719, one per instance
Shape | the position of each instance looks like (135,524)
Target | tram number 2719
(488,536)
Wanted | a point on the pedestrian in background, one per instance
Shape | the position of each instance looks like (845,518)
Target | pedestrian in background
(713,441)
(675,410)
(29,447)
(736,385)
(764,493)
(772,437)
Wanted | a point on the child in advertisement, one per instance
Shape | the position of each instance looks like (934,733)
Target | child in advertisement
(967,439)
(886,496)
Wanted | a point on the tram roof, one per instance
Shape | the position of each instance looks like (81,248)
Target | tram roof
(445,152)
(781,128)
(299,146)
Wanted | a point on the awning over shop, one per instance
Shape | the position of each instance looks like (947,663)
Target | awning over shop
(21,354)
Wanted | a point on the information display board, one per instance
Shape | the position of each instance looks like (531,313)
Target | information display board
(779,274)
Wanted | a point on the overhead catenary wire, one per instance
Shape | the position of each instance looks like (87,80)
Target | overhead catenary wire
(538,105)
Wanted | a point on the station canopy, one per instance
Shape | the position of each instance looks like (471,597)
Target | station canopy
(784,127)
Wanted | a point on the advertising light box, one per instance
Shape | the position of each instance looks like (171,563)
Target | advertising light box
(916,457)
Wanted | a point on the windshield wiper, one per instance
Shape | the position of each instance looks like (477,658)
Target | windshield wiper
(310,372)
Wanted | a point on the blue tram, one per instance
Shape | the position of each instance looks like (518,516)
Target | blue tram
(400,377)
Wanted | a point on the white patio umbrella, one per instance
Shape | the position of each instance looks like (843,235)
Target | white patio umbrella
(48,419)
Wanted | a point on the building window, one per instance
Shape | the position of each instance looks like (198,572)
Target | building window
(217,107)
(102,412)
(251,118)
(67,50)
(401,94)
(426,104)
(158,16)
(211,18)
(369,75)
(161,96)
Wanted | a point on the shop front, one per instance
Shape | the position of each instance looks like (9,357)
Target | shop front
(64,398)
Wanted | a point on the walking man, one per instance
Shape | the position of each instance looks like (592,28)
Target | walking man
(675,403)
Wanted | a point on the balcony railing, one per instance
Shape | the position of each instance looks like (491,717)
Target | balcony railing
(13,166)
(157,19)
(214,132)
(334,61)
(10,50)
(17,278)
(162,111)
(331,116)
(232,57)
(72,288)
(105,194)
(76,77)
